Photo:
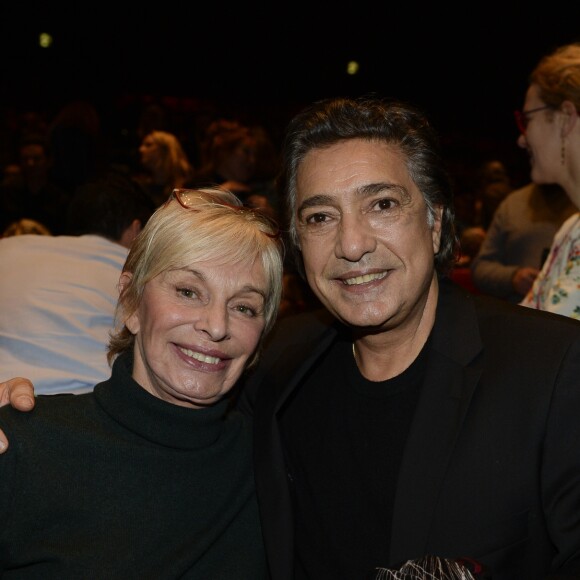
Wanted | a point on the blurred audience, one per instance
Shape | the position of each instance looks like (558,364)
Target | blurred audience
(479,190)
(152,117)
(165,166)
(228,157)
(238,158)
(293,295)
(470,241)
(78,147)
(58,293)
(26,226)
(489,199)
(518,239)
(10,172)
(494,184)
(32,192)
(266,168)
(494,171)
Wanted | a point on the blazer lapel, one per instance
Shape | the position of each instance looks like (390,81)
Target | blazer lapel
(272,481)
(450,380)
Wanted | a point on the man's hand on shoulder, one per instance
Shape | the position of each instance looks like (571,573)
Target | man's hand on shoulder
(18,392)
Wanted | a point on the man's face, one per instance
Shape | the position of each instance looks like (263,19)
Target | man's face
(364,233)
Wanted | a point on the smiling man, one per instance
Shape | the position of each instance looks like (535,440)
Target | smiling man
(421,420)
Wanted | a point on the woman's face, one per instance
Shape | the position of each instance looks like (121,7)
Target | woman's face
(149,151)
(195,330)
(542,140)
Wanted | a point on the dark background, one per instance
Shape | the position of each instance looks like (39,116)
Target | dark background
(466,64)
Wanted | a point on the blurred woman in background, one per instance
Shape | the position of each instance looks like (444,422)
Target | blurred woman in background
(549,127)
(166,166)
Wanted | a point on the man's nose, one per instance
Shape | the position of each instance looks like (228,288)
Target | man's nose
(355,237)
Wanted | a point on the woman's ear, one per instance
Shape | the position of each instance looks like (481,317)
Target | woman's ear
(130,233)
(124,281)
(132,321)
(570,117)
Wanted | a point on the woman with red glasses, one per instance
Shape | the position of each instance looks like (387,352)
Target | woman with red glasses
(549,128)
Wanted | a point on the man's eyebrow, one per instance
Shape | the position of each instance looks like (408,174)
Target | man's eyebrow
(315,201)
(364,191)
(381,187)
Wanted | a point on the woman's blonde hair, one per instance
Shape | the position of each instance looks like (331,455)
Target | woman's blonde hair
(26,226)
(214,227)
(172,162)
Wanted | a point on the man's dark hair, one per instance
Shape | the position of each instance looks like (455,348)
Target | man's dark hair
(106,206)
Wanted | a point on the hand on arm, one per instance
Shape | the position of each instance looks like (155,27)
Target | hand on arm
(18,392)
(523,279)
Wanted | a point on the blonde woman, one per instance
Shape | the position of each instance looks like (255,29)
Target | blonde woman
(150,475)
(166,165)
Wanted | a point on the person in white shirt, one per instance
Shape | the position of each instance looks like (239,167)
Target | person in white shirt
(58,293)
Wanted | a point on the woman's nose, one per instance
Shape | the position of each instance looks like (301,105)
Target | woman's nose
(213,321)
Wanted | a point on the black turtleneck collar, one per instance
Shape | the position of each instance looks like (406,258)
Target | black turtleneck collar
(154,419)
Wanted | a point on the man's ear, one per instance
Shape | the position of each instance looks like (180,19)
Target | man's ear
(436,228)
(130,233)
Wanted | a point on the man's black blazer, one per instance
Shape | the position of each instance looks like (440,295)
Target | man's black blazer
(492,464)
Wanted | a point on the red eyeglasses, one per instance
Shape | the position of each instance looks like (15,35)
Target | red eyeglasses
(522,117)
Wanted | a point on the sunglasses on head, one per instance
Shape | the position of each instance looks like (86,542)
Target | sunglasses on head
(190,198)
